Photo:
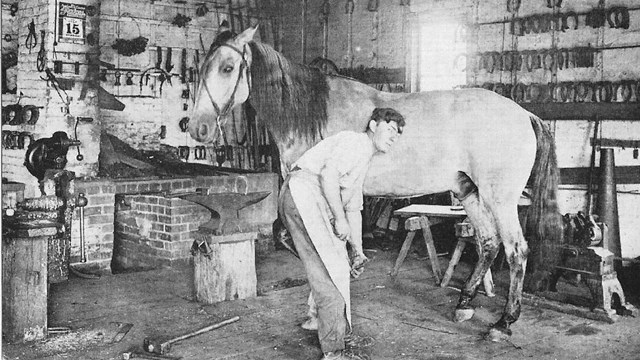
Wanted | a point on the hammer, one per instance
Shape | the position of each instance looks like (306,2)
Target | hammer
(145,356)
(157,347)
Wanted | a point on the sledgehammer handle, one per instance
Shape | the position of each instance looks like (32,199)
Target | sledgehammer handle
(204,329)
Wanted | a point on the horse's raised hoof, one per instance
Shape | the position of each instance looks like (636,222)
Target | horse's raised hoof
(461,315)
(498,334)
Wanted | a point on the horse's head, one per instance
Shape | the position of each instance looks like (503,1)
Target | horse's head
(224,83)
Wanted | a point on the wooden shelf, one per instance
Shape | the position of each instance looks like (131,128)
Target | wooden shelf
(584,111)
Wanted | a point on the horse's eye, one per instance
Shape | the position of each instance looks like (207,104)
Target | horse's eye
(227,69)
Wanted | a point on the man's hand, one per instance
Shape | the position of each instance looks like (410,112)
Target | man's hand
(357,265)
(341,229)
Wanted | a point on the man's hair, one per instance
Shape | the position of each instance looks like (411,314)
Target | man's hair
(388,115)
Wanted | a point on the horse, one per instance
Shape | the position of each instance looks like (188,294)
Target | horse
(480,145)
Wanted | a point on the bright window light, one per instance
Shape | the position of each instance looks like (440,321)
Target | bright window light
(442,56)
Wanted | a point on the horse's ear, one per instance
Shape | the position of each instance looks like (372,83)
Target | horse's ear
(224,26)
(247,35)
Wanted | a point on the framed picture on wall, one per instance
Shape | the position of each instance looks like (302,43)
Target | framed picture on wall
(71,23)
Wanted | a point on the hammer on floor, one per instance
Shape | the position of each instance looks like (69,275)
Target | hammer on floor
(157,347)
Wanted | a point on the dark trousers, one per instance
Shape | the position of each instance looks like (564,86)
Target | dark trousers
(332,321)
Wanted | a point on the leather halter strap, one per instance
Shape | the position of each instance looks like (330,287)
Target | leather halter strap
(229,104)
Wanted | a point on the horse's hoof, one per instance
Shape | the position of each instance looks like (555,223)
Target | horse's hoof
(461,315)
(498,334)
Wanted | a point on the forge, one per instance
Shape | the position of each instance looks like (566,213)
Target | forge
(145,209)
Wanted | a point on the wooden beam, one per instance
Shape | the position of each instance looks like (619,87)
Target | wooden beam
(375,75)
(621,143)
(584,111)
(580,175)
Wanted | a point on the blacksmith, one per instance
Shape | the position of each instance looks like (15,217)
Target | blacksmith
(320,203)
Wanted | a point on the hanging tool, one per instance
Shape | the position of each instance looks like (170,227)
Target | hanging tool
(324,20)
(183,66)
(41,61)
(202,10)
(251,14)
(303,32)
(129,77)
(32,39)
(240,18)
(349,10)
(232,21)
(196,60)
(158,57)
(164,75)
(57,66)
(167,65)
(256,11)
(85,119)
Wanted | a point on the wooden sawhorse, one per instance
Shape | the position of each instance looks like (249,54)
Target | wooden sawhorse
(422,217)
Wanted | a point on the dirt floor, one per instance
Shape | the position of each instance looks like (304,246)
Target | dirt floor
(409,317)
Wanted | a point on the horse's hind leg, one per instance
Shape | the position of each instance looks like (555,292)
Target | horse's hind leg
(485,228)
(516,251)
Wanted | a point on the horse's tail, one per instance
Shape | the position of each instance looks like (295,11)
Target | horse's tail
(543,221)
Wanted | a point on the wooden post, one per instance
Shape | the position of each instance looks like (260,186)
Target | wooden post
(230,271)
(24,284)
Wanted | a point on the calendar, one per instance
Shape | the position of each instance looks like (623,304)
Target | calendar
(71,23)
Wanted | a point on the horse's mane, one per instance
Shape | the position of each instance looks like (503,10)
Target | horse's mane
(290,98)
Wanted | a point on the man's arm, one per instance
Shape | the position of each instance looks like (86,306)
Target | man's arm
(355,223)
(330,185)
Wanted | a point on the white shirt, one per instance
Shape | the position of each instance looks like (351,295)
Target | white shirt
(349,153)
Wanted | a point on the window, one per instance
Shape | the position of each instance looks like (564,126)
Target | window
(442,56)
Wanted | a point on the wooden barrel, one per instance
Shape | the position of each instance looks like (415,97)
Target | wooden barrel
(24,284)
(228,271)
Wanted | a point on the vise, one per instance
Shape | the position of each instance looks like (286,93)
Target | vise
(45,159)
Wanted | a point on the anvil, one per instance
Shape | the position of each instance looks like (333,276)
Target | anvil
(224,208)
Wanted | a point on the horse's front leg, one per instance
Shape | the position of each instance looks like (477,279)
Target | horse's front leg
(486,234)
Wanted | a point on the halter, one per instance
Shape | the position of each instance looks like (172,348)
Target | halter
(229,104)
